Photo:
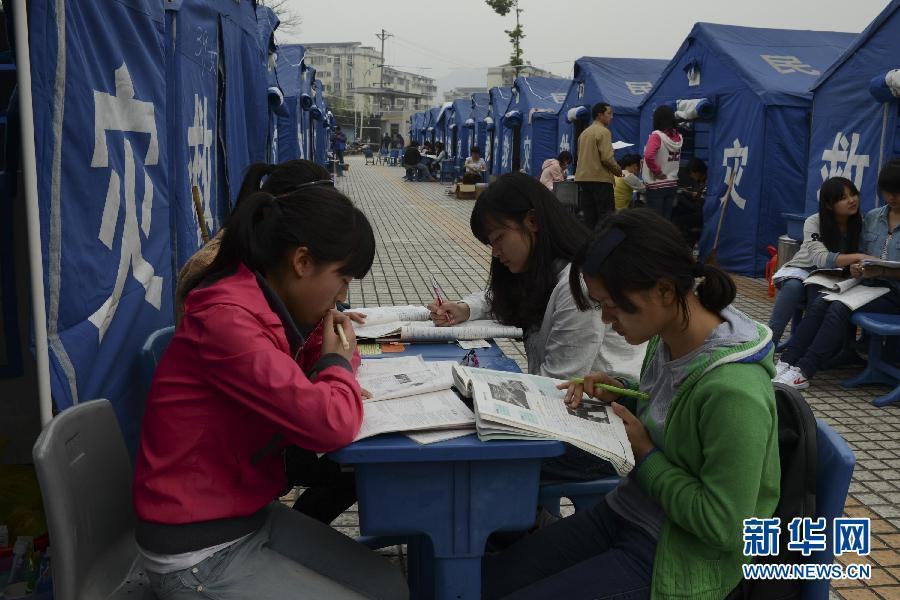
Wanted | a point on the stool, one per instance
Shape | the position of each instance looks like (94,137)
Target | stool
(879,370)
(583,494)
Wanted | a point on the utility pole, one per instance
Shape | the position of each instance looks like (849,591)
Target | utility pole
(517,40)
(383,36)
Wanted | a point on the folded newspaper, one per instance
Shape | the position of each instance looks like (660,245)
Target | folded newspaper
(521,406)
(413,324)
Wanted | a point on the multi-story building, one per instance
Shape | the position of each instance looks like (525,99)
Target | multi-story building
(462,93)
(375,92)
(505,75)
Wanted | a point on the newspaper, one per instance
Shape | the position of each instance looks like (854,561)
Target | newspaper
(385,321)
(432,437)
(389,378)
(857,296)
(470,330)
(517,406)
(424,412)
(832,283)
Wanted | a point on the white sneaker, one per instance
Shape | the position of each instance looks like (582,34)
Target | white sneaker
(794,378)
(780,368)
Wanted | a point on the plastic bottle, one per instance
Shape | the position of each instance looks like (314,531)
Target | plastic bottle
(20,550)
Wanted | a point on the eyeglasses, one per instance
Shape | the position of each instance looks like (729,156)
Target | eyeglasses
(300,186)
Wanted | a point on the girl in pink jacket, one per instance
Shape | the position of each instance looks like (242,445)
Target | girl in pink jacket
(554,169)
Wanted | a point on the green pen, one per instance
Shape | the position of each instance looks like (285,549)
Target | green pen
(616,390)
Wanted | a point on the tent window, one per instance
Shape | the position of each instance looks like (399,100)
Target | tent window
(697,141)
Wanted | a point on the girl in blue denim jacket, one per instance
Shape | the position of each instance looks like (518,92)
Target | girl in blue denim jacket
(825,325)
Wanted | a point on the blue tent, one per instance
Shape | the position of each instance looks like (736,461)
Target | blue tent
(481,102)
(307,112)
(531,122)
(855,125)
(268,22)
(621,83)
(319,125)
(416,127)
(143,113)
(459,135)
(748,119)
(441,122)
(493,145)
(290,73)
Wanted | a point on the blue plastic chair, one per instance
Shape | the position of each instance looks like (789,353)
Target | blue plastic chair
(151,352)
(394,157)
(448,171)
(834,470)
(879,370)
(583,494)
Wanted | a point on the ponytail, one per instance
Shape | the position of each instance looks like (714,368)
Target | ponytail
(253,179)
(636,249)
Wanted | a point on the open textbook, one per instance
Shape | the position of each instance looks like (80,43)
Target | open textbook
(519,406)
(413,324)
(389,378)
(424,412)
(837,286)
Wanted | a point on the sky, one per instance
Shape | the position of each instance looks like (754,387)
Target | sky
(455,42)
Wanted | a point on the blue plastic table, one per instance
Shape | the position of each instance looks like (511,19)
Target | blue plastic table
(455,492)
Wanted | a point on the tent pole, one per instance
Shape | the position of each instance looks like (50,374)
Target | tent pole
(29,172)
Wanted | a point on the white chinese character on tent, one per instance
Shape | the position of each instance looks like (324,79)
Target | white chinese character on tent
(639,88)
(274,145)
(580,89)
(459,146)
(300,140)
(843,152)
(564,142)
(526,151)
(202,158)
(734,159)
(123,112)
(504,158)
(788,64)
(487,148)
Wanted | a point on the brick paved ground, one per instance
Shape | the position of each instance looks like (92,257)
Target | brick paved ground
(421,230)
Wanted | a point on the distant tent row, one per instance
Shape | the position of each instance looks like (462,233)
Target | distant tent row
(772,112)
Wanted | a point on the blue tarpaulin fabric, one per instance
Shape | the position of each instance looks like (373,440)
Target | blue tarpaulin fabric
(99,86)
(288,69)
(460,136)
(533,112)
(493,146)
(268,22)
(620,82)
(759,81)
(853,133)
(320,125)
(481,102)
(245,100)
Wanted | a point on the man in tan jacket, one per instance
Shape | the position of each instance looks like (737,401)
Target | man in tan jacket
(597,168)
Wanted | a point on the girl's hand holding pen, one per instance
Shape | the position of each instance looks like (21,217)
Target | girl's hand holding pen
(449,313)
(576,389)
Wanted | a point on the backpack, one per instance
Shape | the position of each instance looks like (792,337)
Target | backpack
(797,455)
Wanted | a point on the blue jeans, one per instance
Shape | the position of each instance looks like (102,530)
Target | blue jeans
(661,201)
(291,556)
(824,328)
(594,554)
(792,296)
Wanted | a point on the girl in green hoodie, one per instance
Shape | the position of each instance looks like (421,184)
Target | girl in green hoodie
(705,444)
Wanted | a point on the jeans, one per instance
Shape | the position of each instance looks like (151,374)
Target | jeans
(791,296)
(291,556)
(340,157)
(824,328)
(661,200)
(597,201)
(594,554)
(575,465)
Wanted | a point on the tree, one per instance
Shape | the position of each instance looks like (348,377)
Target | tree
(502,8)
(289,19)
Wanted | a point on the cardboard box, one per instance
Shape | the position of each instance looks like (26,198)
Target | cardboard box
(465,192)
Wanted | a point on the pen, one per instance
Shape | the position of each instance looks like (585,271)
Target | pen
(437,296)
(616,390)
(344,343)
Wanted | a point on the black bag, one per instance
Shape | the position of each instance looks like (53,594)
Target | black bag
(797,455)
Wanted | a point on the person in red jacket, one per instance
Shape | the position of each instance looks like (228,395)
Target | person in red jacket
(255,366)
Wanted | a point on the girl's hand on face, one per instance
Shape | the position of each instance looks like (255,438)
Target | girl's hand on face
(575,391)
(331,341)
(641,444)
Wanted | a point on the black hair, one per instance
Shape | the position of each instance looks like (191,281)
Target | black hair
(475,149)
(280,178)
(263,228)
(520,299)
(889,177)
(564,157)
(629,159)
(652,250)
(663,118)
(831,192)
(598,109)
(439,146)
(696,165)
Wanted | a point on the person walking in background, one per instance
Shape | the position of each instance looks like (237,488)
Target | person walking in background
(554,169)
(338,145)
(629,182)
(386,141)
(597,168)
(662,155)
